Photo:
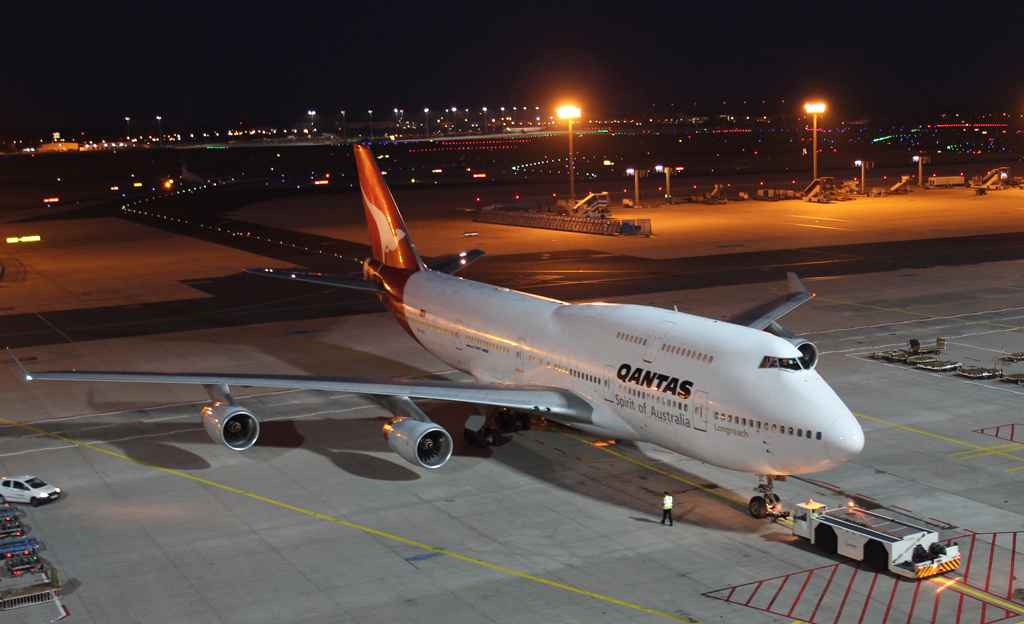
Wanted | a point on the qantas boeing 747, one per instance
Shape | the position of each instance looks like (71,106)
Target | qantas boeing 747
(740,393)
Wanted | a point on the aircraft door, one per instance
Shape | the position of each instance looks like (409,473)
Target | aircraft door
(609,383)
(654,345)
(700,408)
(457,334)
(520,355)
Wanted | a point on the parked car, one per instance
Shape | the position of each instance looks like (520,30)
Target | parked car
(27,489)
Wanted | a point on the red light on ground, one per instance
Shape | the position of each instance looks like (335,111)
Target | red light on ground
(479,175)
(517,197)
(51,200)
(321,181)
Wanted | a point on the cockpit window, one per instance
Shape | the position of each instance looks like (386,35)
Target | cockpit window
(776,362)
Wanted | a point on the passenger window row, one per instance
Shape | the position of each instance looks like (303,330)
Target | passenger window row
(431,326)
(578,374)
(631,338)
(489,345)
(775,428)
(657,397)
(688,353)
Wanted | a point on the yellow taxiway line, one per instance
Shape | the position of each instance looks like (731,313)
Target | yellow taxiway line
(935,435)
(185,475)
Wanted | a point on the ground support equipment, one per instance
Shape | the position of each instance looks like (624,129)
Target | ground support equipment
(980,373)
(883,543)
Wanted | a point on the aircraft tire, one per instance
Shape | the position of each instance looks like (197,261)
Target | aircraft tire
(757,507)
(523,421)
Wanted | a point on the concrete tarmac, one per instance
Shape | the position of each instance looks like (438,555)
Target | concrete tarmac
(320,520)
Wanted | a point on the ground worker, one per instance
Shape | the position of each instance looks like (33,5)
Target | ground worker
(666,509)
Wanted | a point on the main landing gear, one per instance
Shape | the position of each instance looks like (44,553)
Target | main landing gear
(479,433)
(767,503)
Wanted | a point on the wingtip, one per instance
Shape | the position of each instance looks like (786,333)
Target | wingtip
(795,284)
(20,365)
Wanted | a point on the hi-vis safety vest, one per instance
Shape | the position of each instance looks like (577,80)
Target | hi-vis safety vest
(666,503)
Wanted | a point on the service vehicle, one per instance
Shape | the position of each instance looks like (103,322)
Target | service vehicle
(944,181)
(28,489)
(881,542)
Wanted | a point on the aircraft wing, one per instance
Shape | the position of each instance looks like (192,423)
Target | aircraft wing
(555,403)
(355,283)
(763,314)
(451,264)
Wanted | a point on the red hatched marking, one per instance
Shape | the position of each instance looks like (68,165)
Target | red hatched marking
(851,593)
(1004,432)
(989,561)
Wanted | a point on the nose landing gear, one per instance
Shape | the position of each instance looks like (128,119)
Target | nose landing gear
(767,503)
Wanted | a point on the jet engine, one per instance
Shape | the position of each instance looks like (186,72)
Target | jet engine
(808,352)
(420,443)
(231,426)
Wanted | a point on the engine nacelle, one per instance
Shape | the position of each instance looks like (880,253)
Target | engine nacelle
(420,443)
(809,352)
(231,426)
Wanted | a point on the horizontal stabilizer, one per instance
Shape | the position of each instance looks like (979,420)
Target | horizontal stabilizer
(764,314)
(343,281)
(556,403)
(451,264)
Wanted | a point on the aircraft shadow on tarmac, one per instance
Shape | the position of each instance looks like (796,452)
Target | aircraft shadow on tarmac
(633,491)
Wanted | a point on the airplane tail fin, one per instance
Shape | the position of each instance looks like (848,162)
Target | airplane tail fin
(388,235)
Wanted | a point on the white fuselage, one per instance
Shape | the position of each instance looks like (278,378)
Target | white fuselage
(694,385)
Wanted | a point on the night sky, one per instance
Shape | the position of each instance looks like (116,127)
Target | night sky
(81,64)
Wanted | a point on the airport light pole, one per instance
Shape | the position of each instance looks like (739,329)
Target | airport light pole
(864,165)
(453,121)
(312,114)
(371,125)
(570,113)
(483,121)
(814,110)
(128,127)
(160,128)
(637,174)
(668,180)
(921,161)
(426,123)
(344,128)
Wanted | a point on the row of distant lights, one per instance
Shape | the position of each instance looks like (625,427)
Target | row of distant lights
(126,208)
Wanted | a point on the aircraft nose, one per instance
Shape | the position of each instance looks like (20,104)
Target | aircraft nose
(844,439)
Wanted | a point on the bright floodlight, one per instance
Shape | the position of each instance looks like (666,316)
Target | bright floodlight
(568,112)
(814,108)
(857,163)
(917,158)
(630,171)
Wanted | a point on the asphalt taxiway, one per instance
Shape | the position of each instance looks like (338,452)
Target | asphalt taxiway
(320,520)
